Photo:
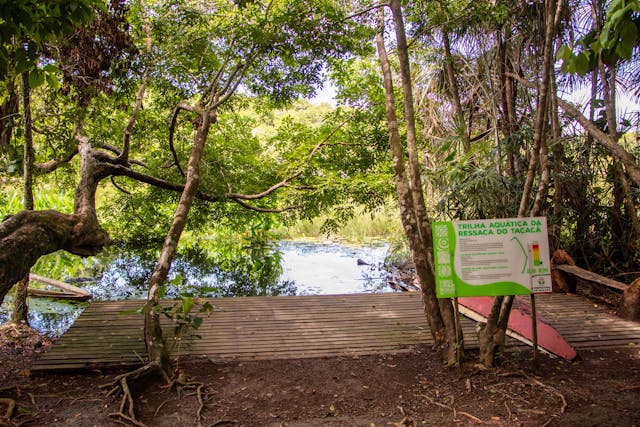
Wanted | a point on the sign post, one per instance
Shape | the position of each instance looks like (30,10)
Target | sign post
(493,257)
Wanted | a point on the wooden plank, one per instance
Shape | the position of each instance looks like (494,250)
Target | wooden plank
(303,326)
(589,276)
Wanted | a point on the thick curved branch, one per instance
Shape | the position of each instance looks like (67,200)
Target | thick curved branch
(120,170)
(52,165)
(28,235)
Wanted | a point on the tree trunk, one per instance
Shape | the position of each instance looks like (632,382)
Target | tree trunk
(20,304)
(20,312)
(28,235)
(411,198)
(8,113)
(491,338)
(28,157)
(157,351)
(455,92)
(558,159)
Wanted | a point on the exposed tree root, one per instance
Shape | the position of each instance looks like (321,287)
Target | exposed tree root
(181,383)
(539,383)
(452,408)
(11,406)
(629,388)
(126,411)
(536,382)
(121,385)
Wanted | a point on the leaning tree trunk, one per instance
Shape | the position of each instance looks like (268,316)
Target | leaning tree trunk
(440,309)
(157,351)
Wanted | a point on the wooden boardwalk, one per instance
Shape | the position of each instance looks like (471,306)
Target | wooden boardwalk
(255,328)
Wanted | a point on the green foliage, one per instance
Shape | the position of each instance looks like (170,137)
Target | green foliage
(469,185)
(617,41)
(184,321)
(45,197)
(26,25)
(364,226)
(284,44)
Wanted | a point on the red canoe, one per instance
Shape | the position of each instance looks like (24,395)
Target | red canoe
(478,308)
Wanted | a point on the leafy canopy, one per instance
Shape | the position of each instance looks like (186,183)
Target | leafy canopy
(25,25)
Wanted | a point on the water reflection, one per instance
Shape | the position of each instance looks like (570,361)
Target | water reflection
(49,317)
(303,268)
(333,268)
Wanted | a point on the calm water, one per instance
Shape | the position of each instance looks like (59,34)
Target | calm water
(309,268)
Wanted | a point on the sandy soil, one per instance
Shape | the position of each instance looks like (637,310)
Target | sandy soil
(410,389)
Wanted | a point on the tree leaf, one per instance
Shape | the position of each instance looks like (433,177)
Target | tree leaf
(582,64)
(187,304)
(36,78)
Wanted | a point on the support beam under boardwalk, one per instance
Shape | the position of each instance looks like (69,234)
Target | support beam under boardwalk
(305,326)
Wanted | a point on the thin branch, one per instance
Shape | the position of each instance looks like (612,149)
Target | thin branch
(265,210)
(115,150)
(115,184)
(266,192)
(230,87)
(126,142)
(216,78)
(362,12)
(285,182)
(172,126)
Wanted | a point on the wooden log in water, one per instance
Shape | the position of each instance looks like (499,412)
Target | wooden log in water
(67,291)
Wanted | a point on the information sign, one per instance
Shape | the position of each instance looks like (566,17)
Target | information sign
(491,257)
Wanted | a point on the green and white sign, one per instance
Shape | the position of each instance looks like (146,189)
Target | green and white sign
(491,257)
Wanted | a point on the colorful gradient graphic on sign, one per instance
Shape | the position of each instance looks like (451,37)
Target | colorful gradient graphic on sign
(535,248)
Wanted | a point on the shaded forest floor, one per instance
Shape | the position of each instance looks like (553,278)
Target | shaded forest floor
(409,389)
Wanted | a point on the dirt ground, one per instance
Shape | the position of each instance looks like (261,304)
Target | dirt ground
(410,389)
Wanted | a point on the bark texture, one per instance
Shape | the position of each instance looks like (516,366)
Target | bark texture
(410,196)
(157,351)
(28,235)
